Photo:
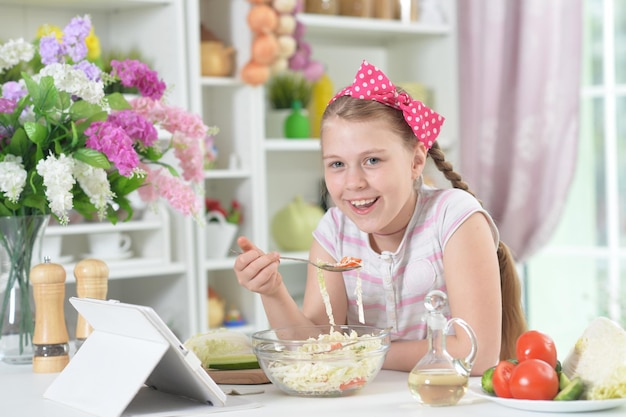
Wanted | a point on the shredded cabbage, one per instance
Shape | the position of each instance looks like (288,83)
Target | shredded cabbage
(312,369)
(613,387)
(221,346)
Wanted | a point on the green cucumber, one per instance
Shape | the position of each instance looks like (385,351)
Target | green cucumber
(486,381)
(572,391)
(234,365)
(564,381)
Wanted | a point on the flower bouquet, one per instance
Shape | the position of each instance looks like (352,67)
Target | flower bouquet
(67,145)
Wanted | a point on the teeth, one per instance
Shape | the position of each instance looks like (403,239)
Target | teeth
(358,203)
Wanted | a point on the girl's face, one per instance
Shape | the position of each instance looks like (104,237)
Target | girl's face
(370,173)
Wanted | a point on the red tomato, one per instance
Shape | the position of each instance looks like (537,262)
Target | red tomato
(500,380)
(349,261)
(534,379)
(536,345)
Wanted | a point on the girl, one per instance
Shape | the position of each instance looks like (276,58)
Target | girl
(411,238)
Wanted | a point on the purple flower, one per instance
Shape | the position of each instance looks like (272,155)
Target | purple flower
(50,50)
(92,71)
(135,125)
(74,36)
(133,73)
(13,90)
(7,106)
(113,142)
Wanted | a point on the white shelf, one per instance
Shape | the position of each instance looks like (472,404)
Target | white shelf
(133,269)
(297,145)
(367,30)
(160,273)
(87,4)
(220,82)
(278,169)
(85,228)
(227,173)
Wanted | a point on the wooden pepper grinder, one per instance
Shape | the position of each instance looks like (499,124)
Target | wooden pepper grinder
(92,277)
(50,340)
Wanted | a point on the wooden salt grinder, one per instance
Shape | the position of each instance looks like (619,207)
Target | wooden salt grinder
(92,277)
(50,340)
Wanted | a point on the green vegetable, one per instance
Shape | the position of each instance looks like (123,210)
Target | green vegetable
(558,366)
(564,381)
(223,349)
(572,391)
(292,226)
(486,381)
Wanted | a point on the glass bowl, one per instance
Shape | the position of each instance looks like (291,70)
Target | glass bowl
(321,361)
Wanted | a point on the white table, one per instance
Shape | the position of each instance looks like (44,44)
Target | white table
(21,395)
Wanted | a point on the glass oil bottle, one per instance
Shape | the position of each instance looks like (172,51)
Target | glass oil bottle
(438,379)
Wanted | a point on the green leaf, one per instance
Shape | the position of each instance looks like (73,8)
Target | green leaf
(4,211)
(19,143)
(36,132)
(92,157)
(44,95)
(83,110)
(37,201)
(122,186)
(117,101)
(152,154)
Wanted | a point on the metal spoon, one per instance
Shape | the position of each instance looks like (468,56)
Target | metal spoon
(327,266)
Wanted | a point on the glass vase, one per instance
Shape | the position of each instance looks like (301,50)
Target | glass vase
(19,239)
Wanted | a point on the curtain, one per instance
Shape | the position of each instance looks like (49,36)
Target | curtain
(520,65)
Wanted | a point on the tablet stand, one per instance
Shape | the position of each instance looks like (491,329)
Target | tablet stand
(129,347)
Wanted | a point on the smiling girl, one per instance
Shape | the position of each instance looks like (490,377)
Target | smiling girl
(411,238)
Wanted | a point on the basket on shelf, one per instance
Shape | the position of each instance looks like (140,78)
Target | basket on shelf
(220,235)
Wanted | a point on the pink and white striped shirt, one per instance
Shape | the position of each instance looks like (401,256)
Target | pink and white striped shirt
(394,284)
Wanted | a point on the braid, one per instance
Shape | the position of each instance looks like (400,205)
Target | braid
(447,170)
(513,320)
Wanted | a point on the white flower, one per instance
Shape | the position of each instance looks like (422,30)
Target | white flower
(74,82)
(58,180)
(95,184)
(15,51)
(12,177)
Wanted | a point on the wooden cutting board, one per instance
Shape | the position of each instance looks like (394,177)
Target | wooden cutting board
(238,376)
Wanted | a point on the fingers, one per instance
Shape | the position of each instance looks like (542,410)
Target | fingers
(246,245)
(255,270)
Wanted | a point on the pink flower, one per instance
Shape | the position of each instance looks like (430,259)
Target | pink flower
(187,130)
(113,141)
(188,152)
(179,194)
(135,125)
(133,73)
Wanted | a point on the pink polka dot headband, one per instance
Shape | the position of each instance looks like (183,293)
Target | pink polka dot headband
(371,83)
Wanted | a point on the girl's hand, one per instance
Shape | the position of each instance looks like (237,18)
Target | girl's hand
(256,270)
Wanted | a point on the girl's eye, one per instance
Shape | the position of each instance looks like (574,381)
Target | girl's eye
(372,161)
(336,164)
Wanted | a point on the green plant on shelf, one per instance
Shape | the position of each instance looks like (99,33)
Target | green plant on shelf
(286,87)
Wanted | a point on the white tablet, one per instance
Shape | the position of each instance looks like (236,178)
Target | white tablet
(130,348)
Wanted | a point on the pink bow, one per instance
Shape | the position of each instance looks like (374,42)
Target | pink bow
(371,83)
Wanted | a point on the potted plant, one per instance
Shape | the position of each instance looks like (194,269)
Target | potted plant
(283,89)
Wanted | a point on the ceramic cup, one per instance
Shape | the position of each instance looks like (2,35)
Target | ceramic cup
(109,244)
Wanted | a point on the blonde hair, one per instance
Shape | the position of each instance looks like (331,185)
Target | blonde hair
(513,319)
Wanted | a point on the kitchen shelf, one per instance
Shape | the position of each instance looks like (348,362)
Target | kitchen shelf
(227,174)
(364,30)
(160,271)
(297,145)
(220,82)
(83,5)
(278,169)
